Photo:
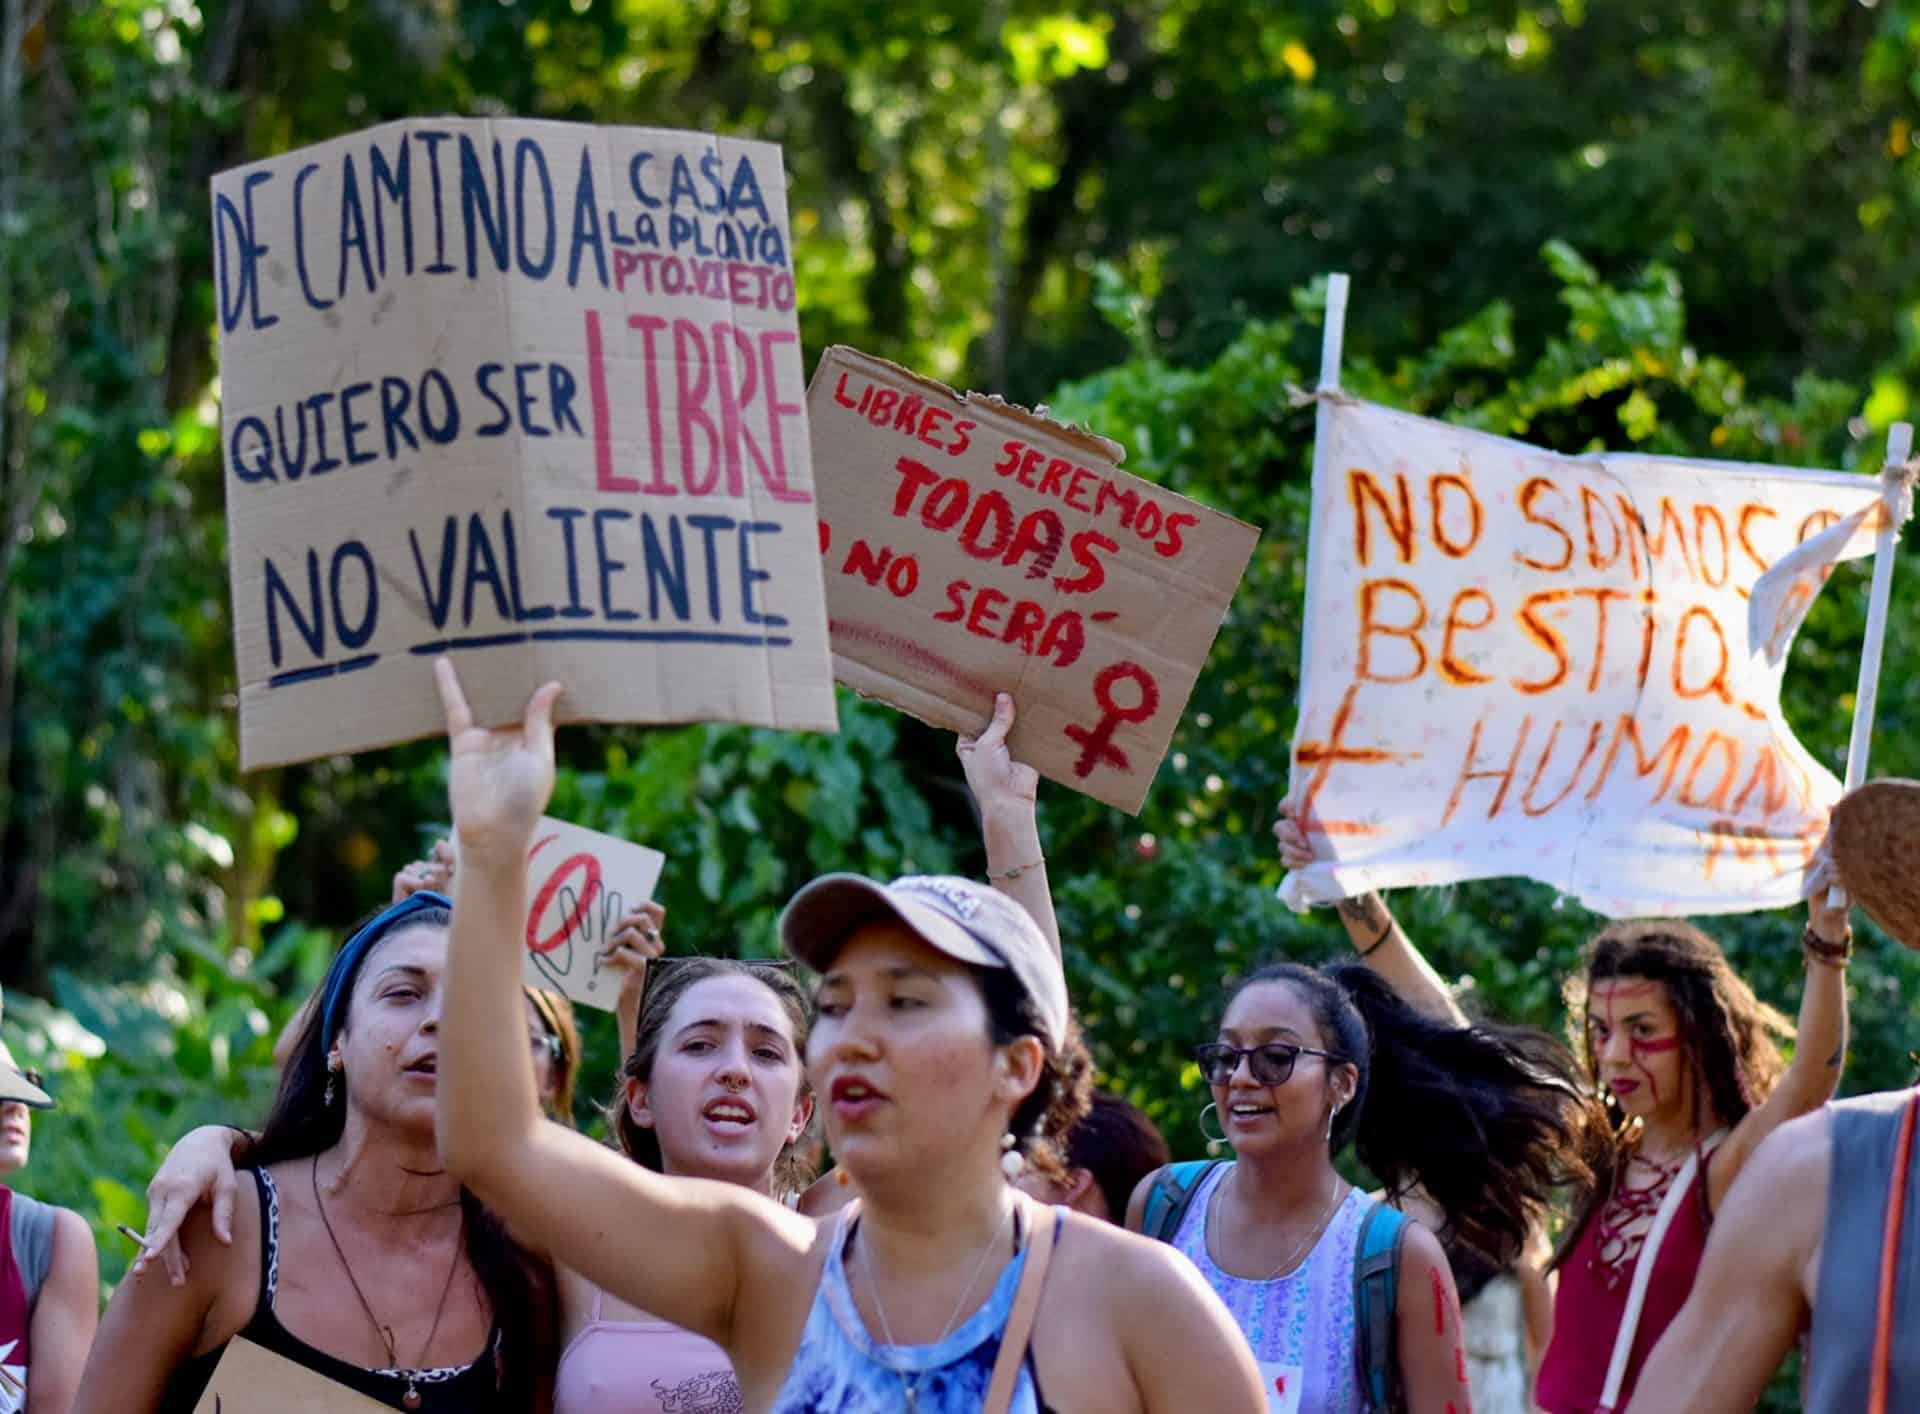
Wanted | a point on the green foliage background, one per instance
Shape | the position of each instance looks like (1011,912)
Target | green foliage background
(1586,222)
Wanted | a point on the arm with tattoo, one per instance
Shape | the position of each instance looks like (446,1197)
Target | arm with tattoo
(1377,935)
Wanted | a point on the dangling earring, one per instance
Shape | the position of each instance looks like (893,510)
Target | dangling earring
(1216,1143)
(326,1096)
(1012,1162)
(1332,1115)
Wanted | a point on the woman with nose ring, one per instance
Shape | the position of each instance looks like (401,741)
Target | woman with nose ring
(1684,1059)
(946,1054)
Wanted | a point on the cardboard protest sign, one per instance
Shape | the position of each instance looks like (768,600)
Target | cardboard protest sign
(1523,663)
(251,1378)
(527,393)
(973,547)
(580,883)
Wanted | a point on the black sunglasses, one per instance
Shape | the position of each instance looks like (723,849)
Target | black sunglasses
(1271,1064)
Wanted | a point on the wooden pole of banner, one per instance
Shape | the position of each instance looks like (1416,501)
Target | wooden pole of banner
(1333,337)
(1899,448)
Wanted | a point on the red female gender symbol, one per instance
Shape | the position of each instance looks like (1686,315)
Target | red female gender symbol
(1098,739)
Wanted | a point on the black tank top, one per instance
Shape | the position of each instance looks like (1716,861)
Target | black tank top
(452,1389)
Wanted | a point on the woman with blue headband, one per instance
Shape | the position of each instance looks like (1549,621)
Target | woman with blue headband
(362,1259)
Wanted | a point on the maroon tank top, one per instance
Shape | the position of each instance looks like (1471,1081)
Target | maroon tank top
(1587,1309)
(16,1315)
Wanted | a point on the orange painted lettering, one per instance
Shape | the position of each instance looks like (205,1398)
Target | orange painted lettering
(1528,494)
(1505,776)
(1362,488)
(1672,751)
(1729,752)
(1370,594)
(1436,485)
(1548,637)
(1717,683)
(1527,802)
(1451,668)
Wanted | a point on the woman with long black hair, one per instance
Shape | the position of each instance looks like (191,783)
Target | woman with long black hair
(1347,1306)
(363,1258)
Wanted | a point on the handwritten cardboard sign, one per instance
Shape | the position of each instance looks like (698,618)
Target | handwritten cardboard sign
(580,883)
(1522,663)
(973,547)
(528,393)
(251,1379)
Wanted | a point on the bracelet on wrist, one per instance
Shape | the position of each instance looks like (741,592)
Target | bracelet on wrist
(1820,949)
(1009,875)
(1386,931)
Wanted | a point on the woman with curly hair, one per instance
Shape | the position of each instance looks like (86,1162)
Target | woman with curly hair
(1684,1058)
(947,1059)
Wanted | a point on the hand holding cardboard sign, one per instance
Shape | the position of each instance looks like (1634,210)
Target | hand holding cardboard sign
(636,940)
(499,778)
(993,776)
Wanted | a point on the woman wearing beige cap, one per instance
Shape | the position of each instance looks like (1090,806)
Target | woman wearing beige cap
(49,1271)
(943,1050)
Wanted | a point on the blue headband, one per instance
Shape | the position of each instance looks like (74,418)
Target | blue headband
(346,963)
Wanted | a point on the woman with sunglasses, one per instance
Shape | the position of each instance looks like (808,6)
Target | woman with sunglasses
(49,1269)
(946,1054)
(1685,1061)
(1305,1062)
(361,1258)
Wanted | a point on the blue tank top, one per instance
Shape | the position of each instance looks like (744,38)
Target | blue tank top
(841,1369)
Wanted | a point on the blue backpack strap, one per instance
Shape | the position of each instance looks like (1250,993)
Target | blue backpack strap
(1171,1196)
(1376,1291)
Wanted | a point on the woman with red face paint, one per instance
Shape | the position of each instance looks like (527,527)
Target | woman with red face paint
(1685,1060)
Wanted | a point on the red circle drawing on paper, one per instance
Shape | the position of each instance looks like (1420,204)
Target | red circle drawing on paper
(591,866)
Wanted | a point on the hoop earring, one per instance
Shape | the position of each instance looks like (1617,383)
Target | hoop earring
(1216,1144)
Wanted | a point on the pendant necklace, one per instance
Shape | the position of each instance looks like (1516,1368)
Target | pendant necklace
(911,1388)
(411,1399)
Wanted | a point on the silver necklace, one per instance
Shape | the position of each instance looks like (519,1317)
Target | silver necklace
(911,1388)
(1292,1259)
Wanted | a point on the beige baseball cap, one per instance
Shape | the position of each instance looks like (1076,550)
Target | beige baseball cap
(17,1087)
(968,922)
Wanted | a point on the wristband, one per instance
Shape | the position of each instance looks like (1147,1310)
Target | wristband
(1011,874)
(1820,950)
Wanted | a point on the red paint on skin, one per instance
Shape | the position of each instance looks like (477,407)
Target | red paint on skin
(1656,1046)
(1460,1363)
(1439,1301)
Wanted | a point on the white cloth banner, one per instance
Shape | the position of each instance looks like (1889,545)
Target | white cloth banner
(1519,663)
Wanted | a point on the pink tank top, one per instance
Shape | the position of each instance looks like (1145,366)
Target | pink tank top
(1588,1309)
(643,1367)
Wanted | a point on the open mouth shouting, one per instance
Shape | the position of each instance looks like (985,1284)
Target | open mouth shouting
(729,1115)
(854,1098)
